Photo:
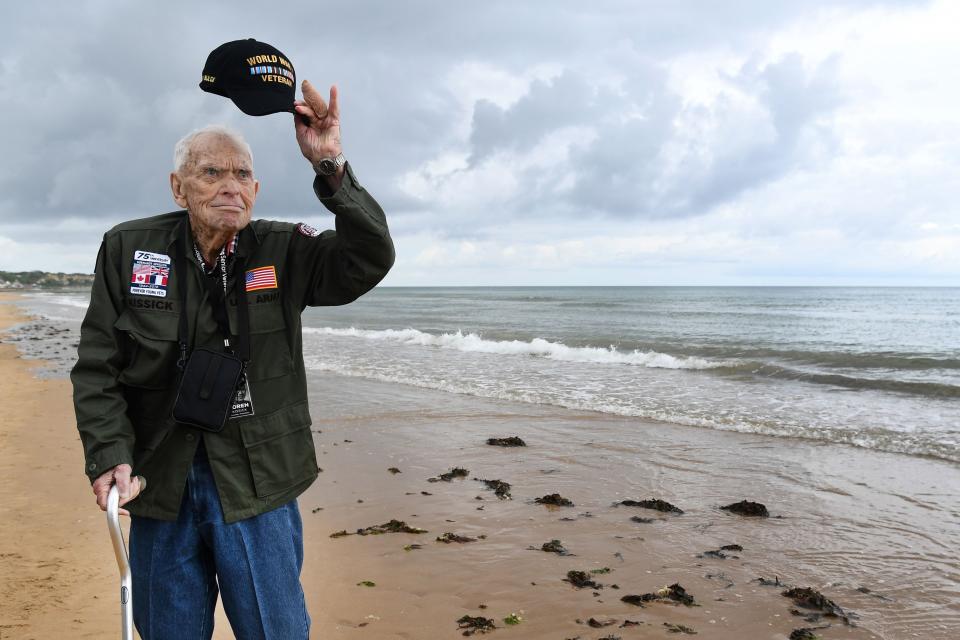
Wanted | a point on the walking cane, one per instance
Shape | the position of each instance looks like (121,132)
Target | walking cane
(123,562)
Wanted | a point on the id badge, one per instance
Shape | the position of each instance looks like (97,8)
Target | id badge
(242,405)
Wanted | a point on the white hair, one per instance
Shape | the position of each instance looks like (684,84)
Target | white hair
(184,147)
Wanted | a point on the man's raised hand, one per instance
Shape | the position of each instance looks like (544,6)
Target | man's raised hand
(317,123)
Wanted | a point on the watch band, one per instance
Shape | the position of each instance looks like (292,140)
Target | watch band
(329,166)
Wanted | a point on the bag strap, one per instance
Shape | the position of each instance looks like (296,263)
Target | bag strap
(243,311)
(219,306)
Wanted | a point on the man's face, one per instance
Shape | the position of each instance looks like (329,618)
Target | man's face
(216,185)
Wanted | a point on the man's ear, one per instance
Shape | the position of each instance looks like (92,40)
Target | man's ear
(176,185)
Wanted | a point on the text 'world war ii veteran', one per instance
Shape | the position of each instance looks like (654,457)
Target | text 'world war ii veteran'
(220,512)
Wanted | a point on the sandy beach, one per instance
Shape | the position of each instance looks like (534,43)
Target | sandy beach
(57,577)
(831,527)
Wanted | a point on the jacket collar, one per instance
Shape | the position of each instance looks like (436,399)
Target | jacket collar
(248,236)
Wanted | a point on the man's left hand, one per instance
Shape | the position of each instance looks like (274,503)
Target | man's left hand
(319,135)
(130,487)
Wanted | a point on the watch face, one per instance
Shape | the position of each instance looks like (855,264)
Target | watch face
(327,166)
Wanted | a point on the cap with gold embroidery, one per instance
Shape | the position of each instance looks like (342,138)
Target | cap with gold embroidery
(255,75)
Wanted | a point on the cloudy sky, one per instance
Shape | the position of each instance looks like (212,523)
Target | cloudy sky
(607,143)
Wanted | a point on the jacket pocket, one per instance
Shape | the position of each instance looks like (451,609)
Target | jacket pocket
(269,346)
(280,449)
(151,348)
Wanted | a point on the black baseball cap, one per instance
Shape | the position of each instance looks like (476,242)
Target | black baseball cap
(255,75)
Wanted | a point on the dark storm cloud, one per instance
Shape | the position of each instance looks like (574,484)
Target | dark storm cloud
(622,171)
(565,100)
(640,151)
(95,95)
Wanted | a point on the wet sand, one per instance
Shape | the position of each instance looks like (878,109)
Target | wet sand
(59,576)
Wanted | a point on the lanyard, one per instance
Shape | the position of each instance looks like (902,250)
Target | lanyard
(223,264)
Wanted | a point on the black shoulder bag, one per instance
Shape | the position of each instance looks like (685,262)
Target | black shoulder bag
(208,378)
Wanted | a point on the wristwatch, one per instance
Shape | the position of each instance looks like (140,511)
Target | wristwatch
(329,166)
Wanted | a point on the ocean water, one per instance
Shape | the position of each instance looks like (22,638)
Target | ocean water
(873,367)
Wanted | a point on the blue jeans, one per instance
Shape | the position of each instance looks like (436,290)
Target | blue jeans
(179,567)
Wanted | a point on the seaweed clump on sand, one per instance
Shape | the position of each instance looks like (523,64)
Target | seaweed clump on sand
(512,441)
(672,593)
(599,624)
(475,624)
(639,600)
(679,628)
(804,633)
(747,508)
(811,599)
(452,537)
(554,499)
(581,580)
(722,553)
(394,526)
(656,504)
(555,546)
(499,487)
(456,472)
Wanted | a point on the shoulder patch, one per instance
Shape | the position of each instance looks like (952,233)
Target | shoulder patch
(150,273)
(307,230)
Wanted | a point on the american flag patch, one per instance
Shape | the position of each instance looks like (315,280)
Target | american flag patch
(261,278)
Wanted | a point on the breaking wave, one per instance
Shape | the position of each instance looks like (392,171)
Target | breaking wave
(538,347)
(75,301)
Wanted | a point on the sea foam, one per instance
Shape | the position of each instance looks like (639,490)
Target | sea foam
(538,347)
(75,301)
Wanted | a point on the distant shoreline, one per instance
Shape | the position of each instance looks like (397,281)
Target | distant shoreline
(31,280)
(40,280)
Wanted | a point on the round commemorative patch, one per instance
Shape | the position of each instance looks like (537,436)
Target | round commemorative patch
(307,230)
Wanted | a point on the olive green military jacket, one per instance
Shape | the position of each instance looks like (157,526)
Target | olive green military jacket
(126,377)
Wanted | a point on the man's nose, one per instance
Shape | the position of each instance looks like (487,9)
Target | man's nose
(230,185)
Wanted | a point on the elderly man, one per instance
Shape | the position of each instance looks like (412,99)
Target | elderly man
(220,512)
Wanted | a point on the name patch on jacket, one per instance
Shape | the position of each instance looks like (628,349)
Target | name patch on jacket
(151,304)
(261,278)
(150,274)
